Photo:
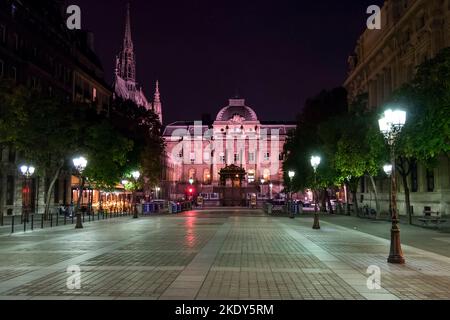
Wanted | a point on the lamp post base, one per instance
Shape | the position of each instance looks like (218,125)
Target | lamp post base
(396,254)
(316,225)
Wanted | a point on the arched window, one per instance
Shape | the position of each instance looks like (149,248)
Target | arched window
(266,174)
(206,176)
(192,174)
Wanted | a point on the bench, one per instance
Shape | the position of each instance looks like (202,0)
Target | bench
(431,217)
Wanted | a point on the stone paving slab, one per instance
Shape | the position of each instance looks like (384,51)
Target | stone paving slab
(225,255)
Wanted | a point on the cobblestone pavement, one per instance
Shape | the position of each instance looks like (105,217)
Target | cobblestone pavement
(219,254)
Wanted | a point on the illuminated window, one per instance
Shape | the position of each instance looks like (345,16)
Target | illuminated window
(94,94)
(266,174)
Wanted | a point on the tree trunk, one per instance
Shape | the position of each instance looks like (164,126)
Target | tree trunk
(50,190)
(407,198)
(375,191)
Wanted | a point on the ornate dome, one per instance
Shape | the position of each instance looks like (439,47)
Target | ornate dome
(237,110)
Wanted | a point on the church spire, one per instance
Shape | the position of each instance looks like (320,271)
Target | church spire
(128,42)
(126,65)
(157,105)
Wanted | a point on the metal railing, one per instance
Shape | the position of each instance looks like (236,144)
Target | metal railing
(16,223)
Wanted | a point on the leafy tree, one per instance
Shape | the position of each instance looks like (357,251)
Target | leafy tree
(311,137)
(360,152)
(141,126)
(426,134)
(41,128)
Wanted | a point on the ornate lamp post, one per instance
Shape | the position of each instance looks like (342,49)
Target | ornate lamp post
(315,162)
(158,189)
(27,172)
(136,175)
(263,181)
(80,164)
(271,190)
(291,175)
(391,125)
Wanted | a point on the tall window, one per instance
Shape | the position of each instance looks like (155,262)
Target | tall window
(363,185)
(10,191)
(236,157)
(430,180)
(16,41)
(267,156)
(14,73)
(12,155)
(222,157)
(251,157)
(56,191)
(414,177)
(2,34)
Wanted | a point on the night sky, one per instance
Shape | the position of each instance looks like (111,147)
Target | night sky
(274,53)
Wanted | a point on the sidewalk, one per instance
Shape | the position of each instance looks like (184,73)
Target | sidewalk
(436,241)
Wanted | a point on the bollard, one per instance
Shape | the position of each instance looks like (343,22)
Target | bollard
(72,217)
(57,219)
(25,225)
(83,217)
(42,221)
(12,224)
(32,222)
(89,218)
(65,219)
(51,221)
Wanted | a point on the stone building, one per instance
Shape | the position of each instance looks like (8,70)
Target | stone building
(38,51)
(236,139)
(412,31)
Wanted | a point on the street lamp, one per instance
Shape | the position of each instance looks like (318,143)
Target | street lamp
(315,162)
(136,175)
(271,190)
(157,192)
(191,181)
(27,172)
(291,175)
(391,125)
(80,164)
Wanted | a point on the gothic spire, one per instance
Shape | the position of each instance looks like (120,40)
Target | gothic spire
(157,105)
(128,42)
(126,65)
(157,98)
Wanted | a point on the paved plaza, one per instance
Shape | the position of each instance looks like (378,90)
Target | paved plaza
(218,254)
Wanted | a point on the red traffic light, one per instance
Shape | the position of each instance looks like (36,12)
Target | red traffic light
(191,190)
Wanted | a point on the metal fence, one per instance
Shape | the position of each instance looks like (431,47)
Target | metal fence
(16,223)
